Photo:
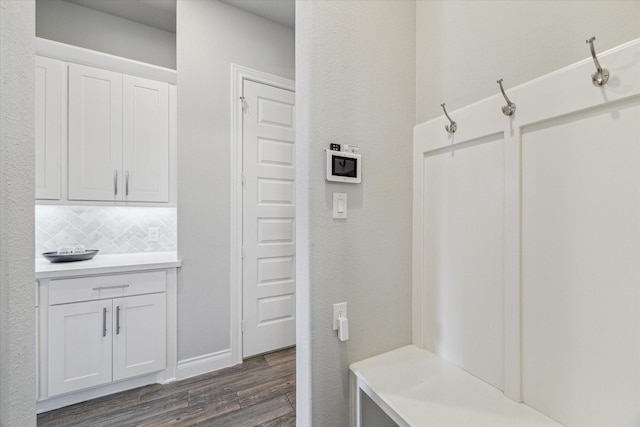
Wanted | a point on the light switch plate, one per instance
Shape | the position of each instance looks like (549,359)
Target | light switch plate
(340,205)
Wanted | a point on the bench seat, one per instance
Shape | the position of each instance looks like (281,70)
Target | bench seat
(416,388)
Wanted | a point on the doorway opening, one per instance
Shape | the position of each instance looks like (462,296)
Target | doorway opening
(263,212)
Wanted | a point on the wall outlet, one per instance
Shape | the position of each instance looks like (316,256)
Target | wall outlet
(153,234)
(339,310)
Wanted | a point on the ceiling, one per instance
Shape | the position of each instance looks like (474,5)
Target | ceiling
(161,14)
(280,11)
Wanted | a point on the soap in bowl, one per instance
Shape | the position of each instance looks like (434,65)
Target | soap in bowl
(54,257)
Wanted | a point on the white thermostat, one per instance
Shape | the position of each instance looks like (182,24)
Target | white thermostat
(344,167)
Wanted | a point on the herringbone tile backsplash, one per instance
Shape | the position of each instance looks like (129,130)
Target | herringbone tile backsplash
(112,230)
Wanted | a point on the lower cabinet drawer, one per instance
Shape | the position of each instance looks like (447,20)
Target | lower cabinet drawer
(100,287)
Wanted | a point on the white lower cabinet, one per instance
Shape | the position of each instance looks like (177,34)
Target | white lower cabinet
(139,335)
(102,329)
(96,342)
(79,346)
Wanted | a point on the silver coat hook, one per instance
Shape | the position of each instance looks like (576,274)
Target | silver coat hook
(452,126)
(510,108)
(601,76)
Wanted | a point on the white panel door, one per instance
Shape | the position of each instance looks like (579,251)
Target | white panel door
(139,335)
(95,134)
(79,346)
(145,161)
(49,75)
(268,219)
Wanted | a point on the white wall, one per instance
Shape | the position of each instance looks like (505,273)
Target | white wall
(80,26)
(211,36)
(17,192)
(355,66)
(463,47)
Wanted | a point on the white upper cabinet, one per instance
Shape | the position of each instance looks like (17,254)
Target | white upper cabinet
(49,108)
(118,137)
(95,134)
(145,160)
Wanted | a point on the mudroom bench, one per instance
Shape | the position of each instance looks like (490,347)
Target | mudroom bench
(416,388)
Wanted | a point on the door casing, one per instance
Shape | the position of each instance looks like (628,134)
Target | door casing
(238,75)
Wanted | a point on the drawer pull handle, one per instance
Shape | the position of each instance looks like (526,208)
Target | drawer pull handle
(118,320)
(102,288)
(104,322)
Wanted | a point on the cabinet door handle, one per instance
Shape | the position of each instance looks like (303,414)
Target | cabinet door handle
(118,320)
(115,182)
(102,288)
(104,321)
(126,183)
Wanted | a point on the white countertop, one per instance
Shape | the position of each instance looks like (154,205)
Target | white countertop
(105,264)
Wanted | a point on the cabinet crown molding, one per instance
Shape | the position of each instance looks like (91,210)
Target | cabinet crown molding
(93,58)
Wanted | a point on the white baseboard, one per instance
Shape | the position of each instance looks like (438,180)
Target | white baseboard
(99,391)
(186,368)
(203,364)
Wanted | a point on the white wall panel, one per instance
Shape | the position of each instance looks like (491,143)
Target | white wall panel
(581,266)
(563,226)
(463,241)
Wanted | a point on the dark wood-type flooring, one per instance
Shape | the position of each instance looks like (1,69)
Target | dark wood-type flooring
(260,392)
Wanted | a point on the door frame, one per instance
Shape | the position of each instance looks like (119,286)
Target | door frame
(238,75)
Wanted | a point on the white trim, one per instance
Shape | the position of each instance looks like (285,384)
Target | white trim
(92,58)
(238,75)
(99,391)
(173,145)
(206,363)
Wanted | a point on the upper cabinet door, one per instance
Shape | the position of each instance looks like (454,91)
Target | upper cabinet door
(49,85)
(95,134)
(145,160)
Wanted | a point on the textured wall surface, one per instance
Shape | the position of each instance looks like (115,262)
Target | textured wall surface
(17,192)
(80,26)
(211,36)
(111,229)
(463,47)
(356,85)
